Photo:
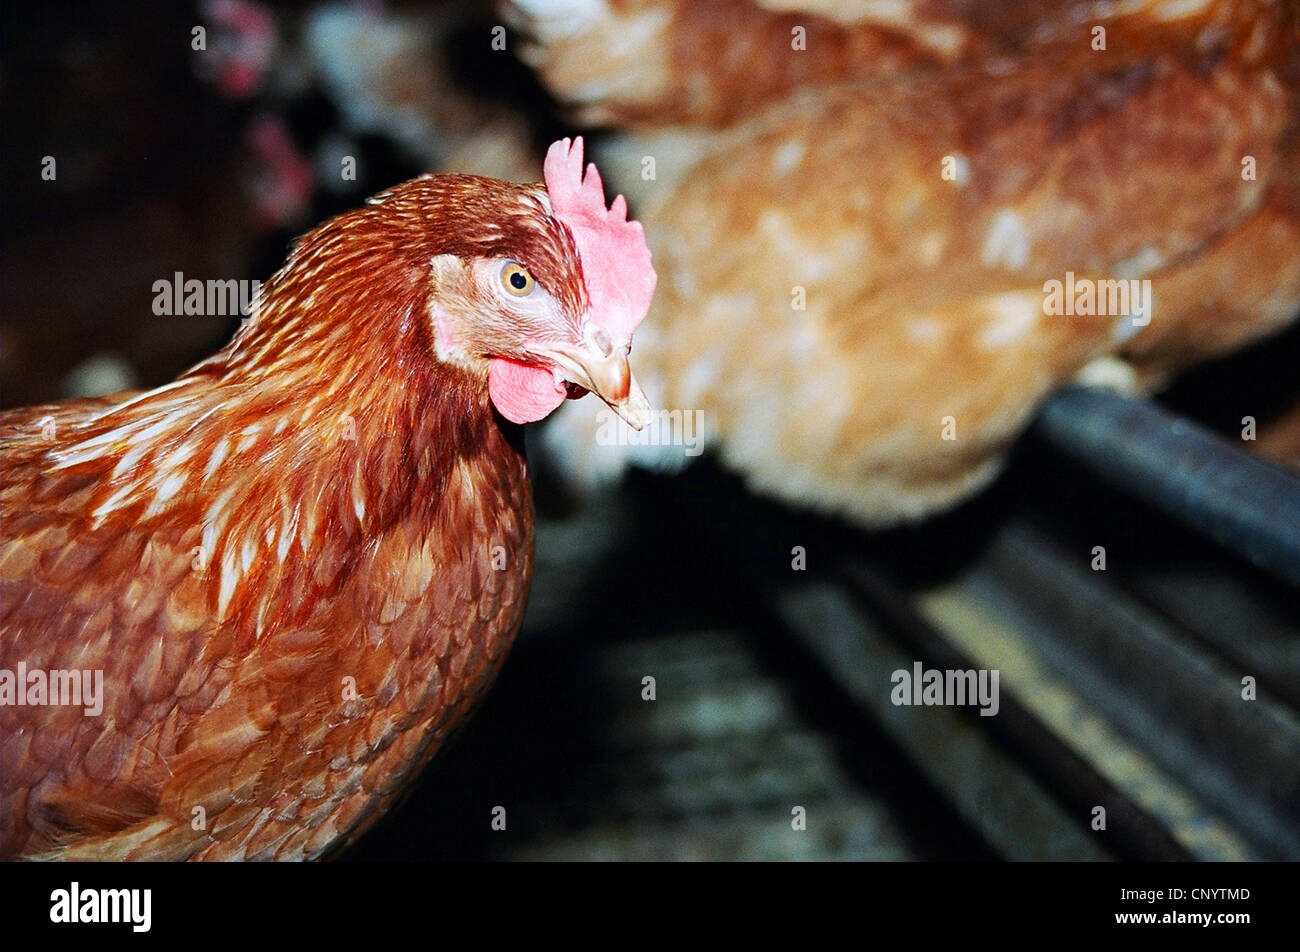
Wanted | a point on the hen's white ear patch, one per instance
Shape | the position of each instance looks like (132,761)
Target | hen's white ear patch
(445,269)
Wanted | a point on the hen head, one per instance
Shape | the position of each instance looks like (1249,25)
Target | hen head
(534,290)
(551,298)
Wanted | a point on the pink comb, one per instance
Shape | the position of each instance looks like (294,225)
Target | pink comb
(615,257)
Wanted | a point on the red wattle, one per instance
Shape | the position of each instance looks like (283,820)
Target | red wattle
(523,393)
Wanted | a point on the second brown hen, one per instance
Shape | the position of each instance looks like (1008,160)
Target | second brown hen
(857,273)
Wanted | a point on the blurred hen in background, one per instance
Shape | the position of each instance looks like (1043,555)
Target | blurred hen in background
(856,209)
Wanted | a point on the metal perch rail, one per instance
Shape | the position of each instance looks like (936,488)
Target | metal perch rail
(1245,503)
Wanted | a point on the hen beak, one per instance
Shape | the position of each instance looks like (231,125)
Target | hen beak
(609,377)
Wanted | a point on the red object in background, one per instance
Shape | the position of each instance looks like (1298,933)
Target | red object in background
(283,182)
(241,48)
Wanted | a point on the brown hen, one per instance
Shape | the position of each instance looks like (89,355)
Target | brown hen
(296,567)
(857,252)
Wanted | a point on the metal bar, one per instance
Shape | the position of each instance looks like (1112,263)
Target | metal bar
(1172,696)
(1245,503)
(997,801)
(1134,834)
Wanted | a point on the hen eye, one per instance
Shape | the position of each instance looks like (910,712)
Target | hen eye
(516,279)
